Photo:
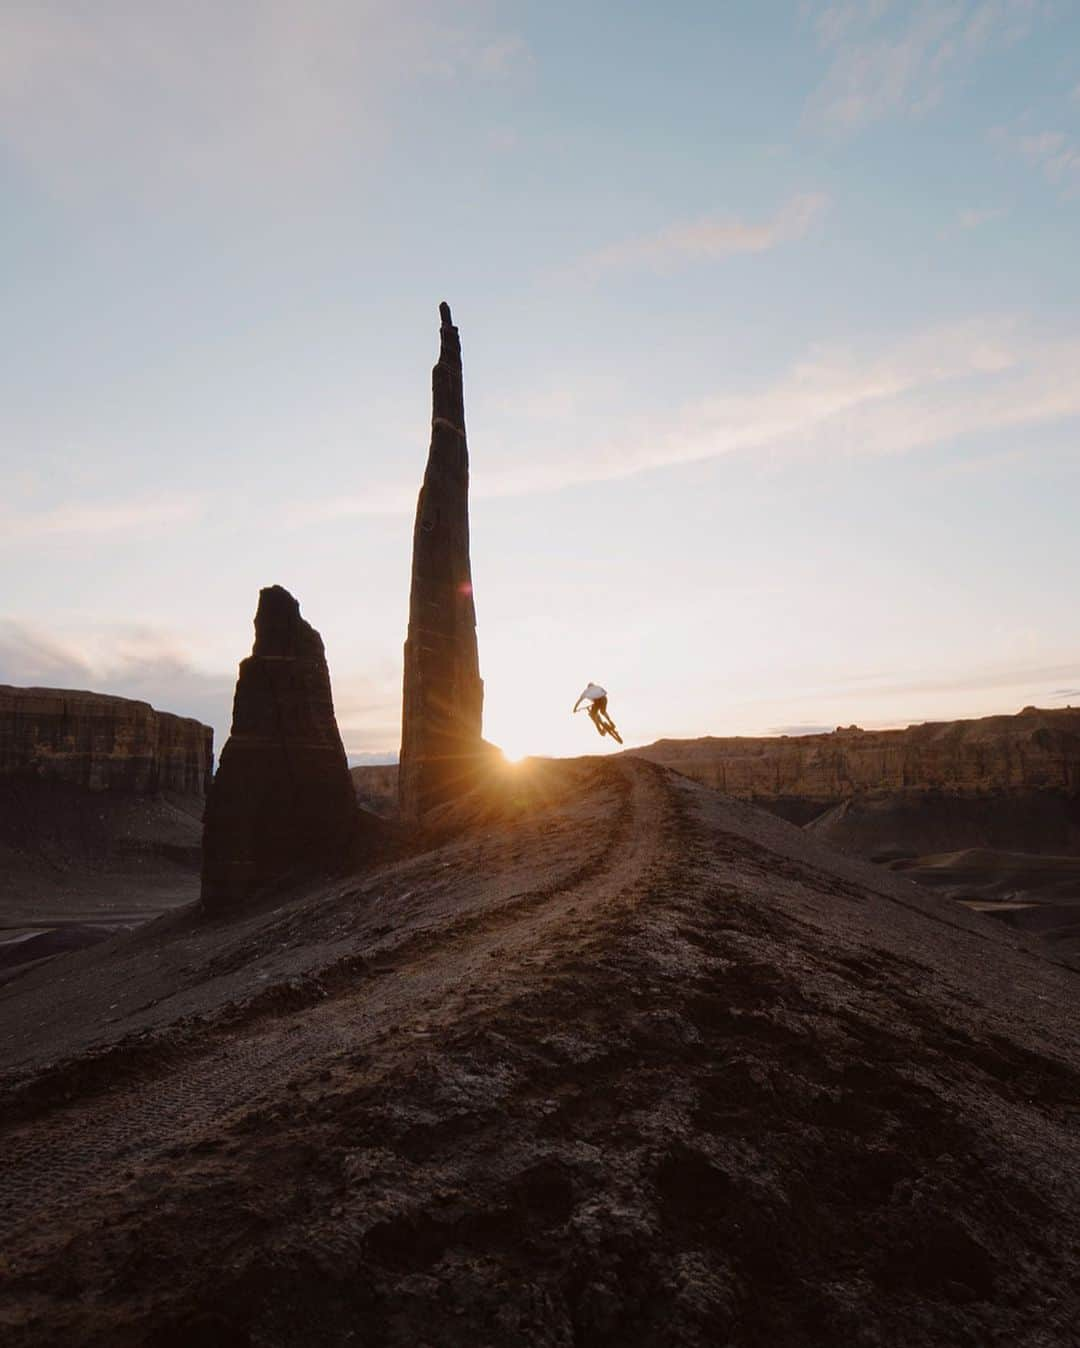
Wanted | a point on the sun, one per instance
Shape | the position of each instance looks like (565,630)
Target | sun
(514,753)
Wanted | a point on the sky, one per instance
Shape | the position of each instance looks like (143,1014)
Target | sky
(771,326)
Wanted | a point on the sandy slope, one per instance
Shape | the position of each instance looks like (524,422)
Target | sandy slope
(625,1063)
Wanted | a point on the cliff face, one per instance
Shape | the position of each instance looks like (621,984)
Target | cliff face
(1033,751)
(102,743)
(282,799)
(443,695)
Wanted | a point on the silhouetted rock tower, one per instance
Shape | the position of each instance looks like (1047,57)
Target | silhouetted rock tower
(281,801)
(443,694)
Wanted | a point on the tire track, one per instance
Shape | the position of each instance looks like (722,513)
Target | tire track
(64,1157)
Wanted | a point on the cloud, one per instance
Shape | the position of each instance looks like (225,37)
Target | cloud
(500,58)
(897,60)
(836,22)
(386,499)
(977,464)
(983,679)
(972,219)
(711,238)
(935,387)
(121,93)
(29,657)
(1054,153)
(1062,693)
(108,521)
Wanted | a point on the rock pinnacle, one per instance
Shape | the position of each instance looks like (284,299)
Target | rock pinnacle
(443,694)
(281,802)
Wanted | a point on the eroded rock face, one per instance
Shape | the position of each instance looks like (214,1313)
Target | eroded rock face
(1036,750)
(443,694)
(102,743)
(281,801)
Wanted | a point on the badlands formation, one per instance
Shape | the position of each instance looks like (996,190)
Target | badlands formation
(1036,750)
(101,743)
(578,1054)
(101,803)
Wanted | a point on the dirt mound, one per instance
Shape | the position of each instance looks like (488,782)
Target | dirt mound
(624,1063)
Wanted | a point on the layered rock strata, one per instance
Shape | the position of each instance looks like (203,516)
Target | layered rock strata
(102,743)
(443,694)
(1036,750)
(281,802)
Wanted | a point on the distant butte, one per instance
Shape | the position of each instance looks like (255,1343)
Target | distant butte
(282,801)
(102,743)
(1036,750)
(443,694)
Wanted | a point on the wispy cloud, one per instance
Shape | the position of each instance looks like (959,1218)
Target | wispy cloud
(29,656)
(1054,153)
(887,60)
(711,238)
(255,91)
(119,520)
(935,387)
(973,219)
(498,57)
(984,678)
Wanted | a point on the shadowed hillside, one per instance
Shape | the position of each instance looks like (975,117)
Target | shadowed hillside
(77,866)
(623,1062)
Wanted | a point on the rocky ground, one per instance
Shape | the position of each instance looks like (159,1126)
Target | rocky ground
(621,1062)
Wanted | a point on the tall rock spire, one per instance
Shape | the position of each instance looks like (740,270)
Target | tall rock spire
(281,802)
(443,694)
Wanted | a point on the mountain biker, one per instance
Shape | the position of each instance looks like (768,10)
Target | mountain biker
(596,697)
